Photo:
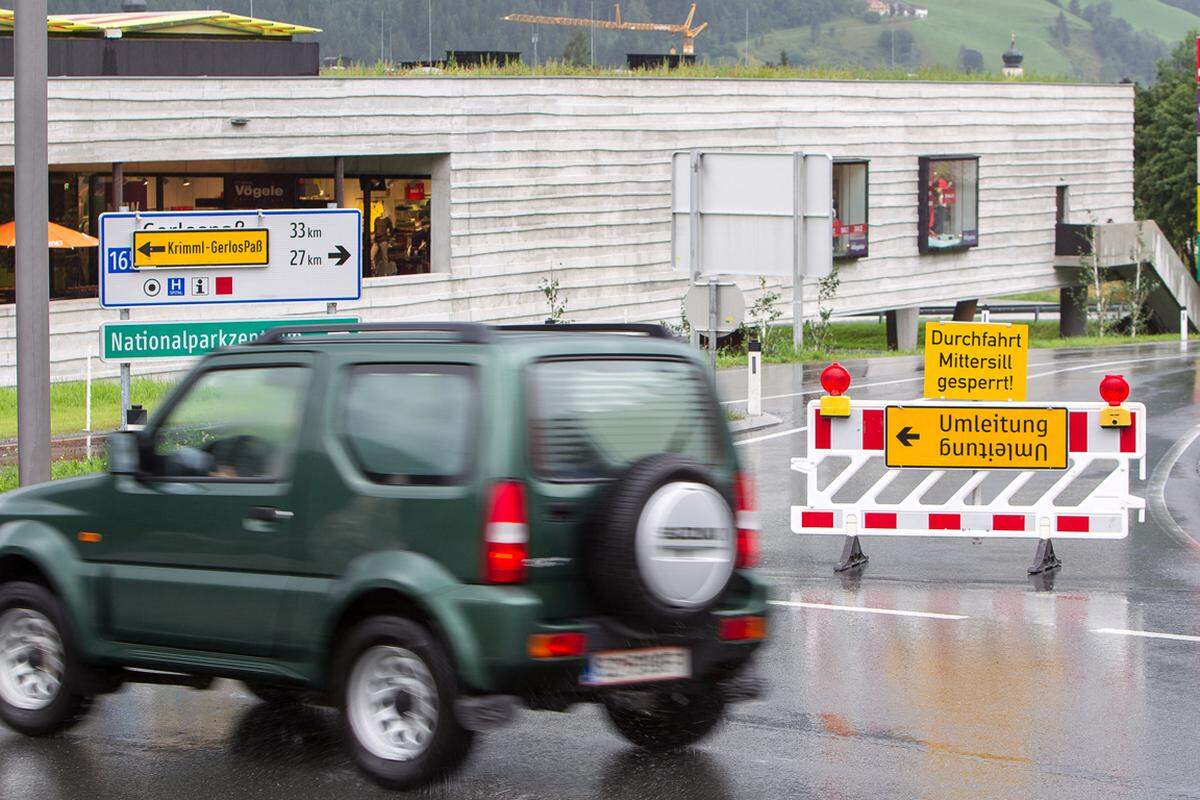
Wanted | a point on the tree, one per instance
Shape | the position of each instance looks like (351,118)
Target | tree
(1061,31)
(1164,142)
(578,52)
(783,58)
(969,60)
(1074,8)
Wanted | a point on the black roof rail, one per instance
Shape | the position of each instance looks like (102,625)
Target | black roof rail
(465,332)
(642,328)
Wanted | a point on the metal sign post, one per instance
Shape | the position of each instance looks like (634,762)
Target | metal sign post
(32,252)
(694,229)
(713,316)
(797,249)
(754,214)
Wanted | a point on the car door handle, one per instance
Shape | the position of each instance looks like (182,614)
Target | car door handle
(267,514)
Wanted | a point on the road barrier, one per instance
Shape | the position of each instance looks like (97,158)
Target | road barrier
(940,468)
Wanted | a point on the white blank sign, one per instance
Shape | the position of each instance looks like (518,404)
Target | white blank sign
(751,214)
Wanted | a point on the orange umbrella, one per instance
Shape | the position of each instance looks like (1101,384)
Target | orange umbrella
(58,237)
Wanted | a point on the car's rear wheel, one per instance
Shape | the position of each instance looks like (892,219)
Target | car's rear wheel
(274,695)
(397,694)
(666,719)
(40,675)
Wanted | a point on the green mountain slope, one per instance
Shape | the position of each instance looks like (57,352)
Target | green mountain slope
(1166,22)
(979,25)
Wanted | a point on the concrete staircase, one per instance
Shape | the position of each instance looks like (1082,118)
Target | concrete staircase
(1119,249)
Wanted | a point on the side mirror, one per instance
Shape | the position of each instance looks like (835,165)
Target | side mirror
(123,456)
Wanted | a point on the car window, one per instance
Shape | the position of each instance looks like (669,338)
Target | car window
(592,418)
(233,424)
(411,424)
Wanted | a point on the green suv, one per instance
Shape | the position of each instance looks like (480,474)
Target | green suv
(425,526)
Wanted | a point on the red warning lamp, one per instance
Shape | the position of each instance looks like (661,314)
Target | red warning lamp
(835,380)
(1114,390)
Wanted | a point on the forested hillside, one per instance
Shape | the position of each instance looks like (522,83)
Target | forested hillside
(1083,39)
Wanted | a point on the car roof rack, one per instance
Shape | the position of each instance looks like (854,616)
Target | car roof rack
(463,332)
(641,328)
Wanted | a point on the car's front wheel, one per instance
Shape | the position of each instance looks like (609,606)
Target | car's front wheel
(397,694)
(39,672)
(666,719)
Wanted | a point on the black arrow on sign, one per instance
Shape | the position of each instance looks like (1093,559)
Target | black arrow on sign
(148,248)
(340,255)
(906,437)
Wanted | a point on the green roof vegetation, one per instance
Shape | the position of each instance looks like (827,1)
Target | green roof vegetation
(556,69)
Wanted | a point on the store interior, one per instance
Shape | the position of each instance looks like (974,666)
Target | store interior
(396,241)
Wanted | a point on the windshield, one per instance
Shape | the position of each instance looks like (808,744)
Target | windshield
(592,418)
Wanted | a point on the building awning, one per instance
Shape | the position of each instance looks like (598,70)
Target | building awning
(164,23)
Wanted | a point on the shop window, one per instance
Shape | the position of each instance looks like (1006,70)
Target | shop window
(850,238)
(192,193)
(949,203)
(399,227)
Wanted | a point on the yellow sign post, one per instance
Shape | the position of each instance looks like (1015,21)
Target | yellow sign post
(976,437)
(976,361)
(222,247)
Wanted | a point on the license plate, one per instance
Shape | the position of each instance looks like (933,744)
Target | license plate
(616,667)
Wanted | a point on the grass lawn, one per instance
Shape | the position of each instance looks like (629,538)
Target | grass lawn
(58,470)
(869,340)
(67,404)
(1048,296)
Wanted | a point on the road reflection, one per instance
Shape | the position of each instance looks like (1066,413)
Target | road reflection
(991,703)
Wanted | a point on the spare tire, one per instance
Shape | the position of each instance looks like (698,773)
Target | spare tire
(661,551)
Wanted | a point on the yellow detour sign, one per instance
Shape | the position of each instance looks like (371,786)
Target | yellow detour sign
(222,247)
(976,361)
(976,437)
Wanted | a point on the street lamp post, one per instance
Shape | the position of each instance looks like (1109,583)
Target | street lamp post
(32,252)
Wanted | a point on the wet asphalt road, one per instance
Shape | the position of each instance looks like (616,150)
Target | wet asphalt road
(1014,695)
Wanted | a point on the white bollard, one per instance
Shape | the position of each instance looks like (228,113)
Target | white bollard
(1183,328)
(87,405)
(754,376)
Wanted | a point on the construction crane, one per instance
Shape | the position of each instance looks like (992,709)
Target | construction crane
(685,30)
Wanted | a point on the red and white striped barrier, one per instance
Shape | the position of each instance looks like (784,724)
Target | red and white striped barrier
(1097,478)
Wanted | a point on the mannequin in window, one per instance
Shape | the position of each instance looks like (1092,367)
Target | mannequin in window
(942,197)
(380,252)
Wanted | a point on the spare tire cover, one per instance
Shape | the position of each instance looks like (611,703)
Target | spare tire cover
(662,549)
(685,544)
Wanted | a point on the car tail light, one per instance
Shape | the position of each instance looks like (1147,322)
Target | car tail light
(743,629)
(746,518)
(506,534)
(557,645)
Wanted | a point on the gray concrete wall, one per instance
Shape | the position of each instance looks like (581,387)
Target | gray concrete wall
(572,176)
